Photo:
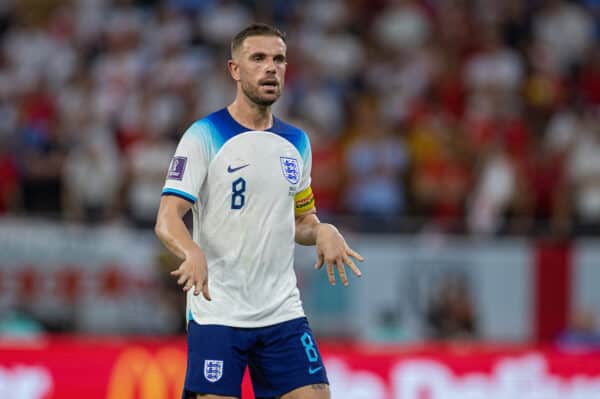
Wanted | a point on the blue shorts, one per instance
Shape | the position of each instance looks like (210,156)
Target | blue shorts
(281,358)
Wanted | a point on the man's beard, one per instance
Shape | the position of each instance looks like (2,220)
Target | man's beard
(252,93)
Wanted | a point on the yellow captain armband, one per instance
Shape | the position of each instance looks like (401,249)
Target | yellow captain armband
(305,202)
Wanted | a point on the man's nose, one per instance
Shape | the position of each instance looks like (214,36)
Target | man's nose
(270,67)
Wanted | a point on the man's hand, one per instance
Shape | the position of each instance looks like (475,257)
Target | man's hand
(193,272)
(333,250)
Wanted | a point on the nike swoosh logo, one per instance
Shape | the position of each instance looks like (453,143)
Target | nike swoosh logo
(312,371)
(231,170)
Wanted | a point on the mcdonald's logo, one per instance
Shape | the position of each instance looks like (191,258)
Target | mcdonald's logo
(140,374)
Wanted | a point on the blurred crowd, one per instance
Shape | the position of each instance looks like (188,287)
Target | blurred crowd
(463,116)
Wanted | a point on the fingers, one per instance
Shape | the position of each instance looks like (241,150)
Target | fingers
(330,273)
(339,263)
(182,279)
(189,284)
(182,276)
(197,286)
(202,285)
(342,271)
(188,281)
(320,260)
(205,292)
(354,254)
(193,277)
(352,266)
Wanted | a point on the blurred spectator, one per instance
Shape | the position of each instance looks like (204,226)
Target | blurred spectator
(545,88)
(375,160)
(589,77)
(216,90)
(454,26)
(451,314)
(9,179)
(494,191)
(346,53)
(318,100)
(514,18)
(593,7)
(119,70)
(400,81)
(565,29)
(584,173)
(326,185)
(92,175)
(324,14)
(562,129)
(581,333)
(403,25)
(219,23)
(440,176)
(447,84)
(42,153)
(148,158)
(545,187)
(496,66)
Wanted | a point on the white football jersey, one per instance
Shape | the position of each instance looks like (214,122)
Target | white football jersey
(242,184)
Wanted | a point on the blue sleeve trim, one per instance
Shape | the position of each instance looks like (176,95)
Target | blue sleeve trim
(294,135)
(180,194)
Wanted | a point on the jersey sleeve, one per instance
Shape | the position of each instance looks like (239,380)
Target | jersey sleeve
(189,165)
(304,199)
(307,165)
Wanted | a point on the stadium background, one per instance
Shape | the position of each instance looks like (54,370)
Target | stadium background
(455,142)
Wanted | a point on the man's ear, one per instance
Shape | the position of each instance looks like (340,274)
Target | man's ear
(234,70)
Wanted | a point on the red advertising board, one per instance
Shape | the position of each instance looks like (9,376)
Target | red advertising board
(65,368)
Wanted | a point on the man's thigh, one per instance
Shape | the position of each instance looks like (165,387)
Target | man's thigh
(314,391)
(285,360)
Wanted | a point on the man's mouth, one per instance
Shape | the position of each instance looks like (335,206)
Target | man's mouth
(269,83)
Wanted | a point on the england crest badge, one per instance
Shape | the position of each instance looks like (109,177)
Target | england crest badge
(213,370)
(289,167)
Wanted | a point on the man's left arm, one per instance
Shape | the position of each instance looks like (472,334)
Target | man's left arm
(332,249)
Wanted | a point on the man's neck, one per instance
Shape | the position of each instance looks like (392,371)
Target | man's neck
(251,115)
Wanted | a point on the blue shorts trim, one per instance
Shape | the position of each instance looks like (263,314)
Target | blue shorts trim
(280,358)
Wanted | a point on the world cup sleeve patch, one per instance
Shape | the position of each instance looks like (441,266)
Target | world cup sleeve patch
(177,168)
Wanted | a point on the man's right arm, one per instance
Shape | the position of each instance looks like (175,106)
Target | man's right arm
(172,232)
